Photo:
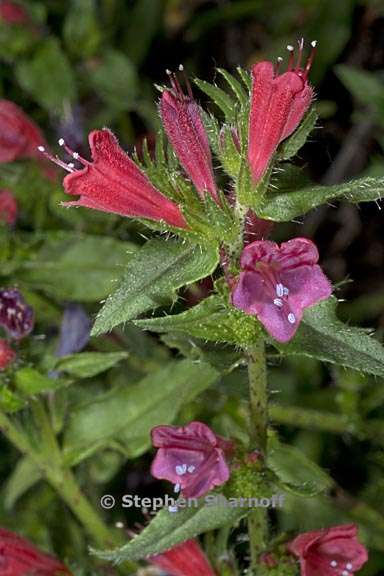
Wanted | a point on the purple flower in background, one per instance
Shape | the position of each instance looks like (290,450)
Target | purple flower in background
(16,317)
(277,283)
(74,331)
(192,457)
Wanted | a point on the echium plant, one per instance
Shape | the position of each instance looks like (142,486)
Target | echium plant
(213,190)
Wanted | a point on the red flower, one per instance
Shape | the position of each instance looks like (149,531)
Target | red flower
(186,559)
(182,122)
(192,457)
(329,552)
(113,183)
(7,356)
(278,104)
(13,13)
(19,135)
(18,557)
(8,207)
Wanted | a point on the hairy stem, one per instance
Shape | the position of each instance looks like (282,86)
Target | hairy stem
(257,376)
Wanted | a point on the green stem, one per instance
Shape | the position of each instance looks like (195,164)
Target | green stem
(257,376)
(48,459)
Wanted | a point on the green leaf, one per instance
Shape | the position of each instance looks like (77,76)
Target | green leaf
(88,364)
(295,471)
(292,145)
(289,205)
(219,97)
(211,320)
(130,413)
(170,528)
(114,79)
(30,382)
(366,87)
(323,336)
(152,277)
(23,477)
(9,400)
(48,77)
(76,267)
(81,30)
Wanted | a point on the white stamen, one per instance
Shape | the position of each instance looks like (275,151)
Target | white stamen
(172,508)
(279,290)
(180,470)
(191,468)
(334,564)
(177,488)
(278,302)
(314,43)
(61,142)
(291,318)
(345,573)
(168,72)
(290,48)
(181,67)
(71,165)
(75,155)
(285,291)
(41,148)
(349,566)
(280,59)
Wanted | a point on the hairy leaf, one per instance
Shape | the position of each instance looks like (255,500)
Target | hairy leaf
(152,277)
(288,205)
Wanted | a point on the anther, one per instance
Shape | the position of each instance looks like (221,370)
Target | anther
(334,564)
(349,566)
(314,43)
(41,148)
(278,302)
(181,68)
(291,51)
(292,319)
(177,488)
(61,142)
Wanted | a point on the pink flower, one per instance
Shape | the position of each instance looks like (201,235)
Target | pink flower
(113,183)
(13,13)
(278,104)
(277,283)
(182,122)
(186,559)
(19,135)
(330,552)
(16,317)
(8,207)
(7,356)
(191,457)
(18,557)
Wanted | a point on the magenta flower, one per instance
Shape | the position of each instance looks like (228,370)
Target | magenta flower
(186,559)
(277,283)
(16,317)
(332,551)
(182,122)
(192,457)
(113,183)
(278,104)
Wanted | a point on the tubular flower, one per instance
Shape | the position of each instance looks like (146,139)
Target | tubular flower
(332,551)
(277,283)
(182,122)
(8,207)
(18,557)
(7,356)
(16,317)
(186,559)
(192,457)
(278,104)
(19,135)
(113,183)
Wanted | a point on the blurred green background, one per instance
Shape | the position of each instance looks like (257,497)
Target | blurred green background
(84,64)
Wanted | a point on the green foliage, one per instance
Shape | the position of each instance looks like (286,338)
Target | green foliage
(152,277)
(281,207)
(89,364)
(171,528)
